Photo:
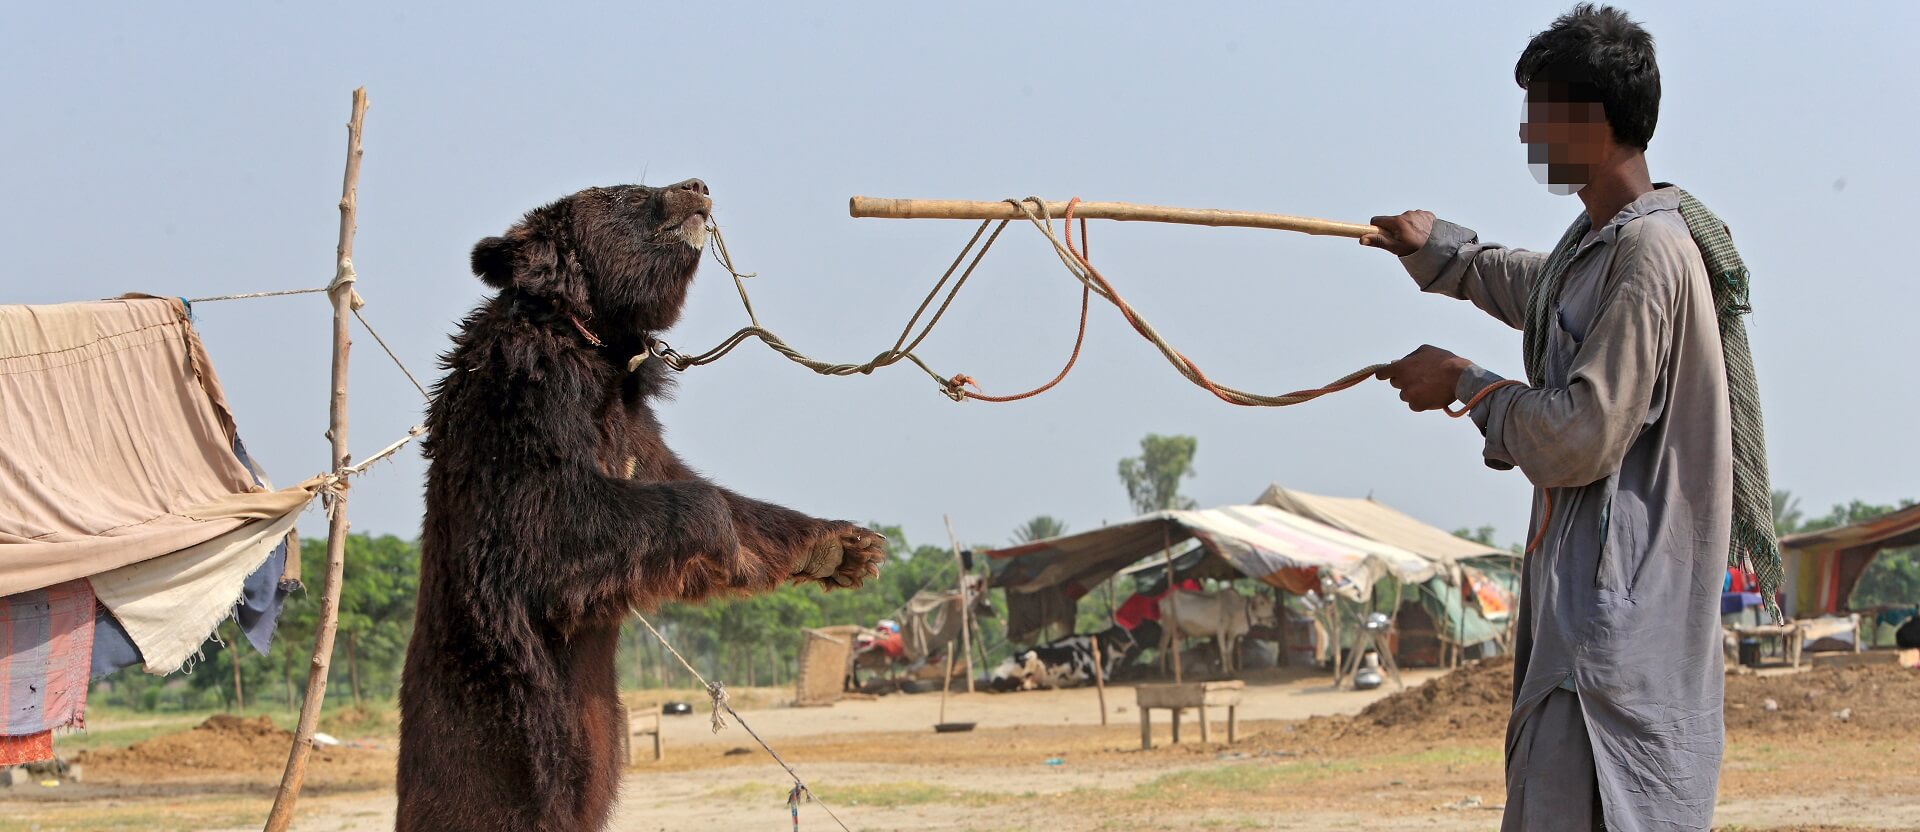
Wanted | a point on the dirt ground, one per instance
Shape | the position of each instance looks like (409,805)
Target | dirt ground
(1834,751)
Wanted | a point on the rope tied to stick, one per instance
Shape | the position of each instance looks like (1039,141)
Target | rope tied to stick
(344,278)
(962,386)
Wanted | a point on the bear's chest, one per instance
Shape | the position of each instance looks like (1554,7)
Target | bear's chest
(630,443)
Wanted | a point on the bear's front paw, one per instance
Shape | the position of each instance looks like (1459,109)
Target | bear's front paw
(843,555)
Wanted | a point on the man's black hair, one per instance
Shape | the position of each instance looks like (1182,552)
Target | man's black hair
(1598,54)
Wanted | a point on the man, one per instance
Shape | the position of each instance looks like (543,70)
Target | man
(1625,429)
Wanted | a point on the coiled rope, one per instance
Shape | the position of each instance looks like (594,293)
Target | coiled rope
(961,387)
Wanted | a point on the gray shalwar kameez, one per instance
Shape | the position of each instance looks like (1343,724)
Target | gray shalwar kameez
(1631,443)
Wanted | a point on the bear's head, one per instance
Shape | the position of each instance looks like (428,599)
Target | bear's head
(620,257)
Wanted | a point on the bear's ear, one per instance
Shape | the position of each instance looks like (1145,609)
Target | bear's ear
(493,261)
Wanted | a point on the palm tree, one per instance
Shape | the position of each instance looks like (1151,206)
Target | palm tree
(1786,512)
(1039,528)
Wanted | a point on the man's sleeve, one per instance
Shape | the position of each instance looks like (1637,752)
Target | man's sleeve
(1562,438)
(1455,263)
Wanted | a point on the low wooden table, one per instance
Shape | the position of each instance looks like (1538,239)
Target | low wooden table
(1791,637)
(1197,695)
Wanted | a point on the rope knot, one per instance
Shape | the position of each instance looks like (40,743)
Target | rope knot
(956,387)
(718,692)
(344,277)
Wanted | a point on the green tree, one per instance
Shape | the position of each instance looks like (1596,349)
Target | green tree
(380,580)
(1153,478)
(1482,535)
(1040,528)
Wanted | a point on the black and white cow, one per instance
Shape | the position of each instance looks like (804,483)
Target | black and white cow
(1065,662)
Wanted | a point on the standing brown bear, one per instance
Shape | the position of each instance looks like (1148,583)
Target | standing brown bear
(553,505)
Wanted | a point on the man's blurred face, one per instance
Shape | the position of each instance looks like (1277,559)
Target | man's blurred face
(1565,139)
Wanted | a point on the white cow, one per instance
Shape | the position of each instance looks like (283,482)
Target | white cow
(1225,615)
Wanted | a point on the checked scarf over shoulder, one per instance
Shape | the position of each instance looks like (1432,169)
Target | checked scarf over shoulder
(1754,547)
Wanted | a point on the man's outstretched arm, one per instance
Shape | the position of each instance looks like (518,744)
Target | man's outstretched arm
(1577,435)
(1450,260)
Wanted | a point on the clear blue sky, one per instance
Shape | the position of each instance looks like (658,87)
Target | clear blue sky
(196,152)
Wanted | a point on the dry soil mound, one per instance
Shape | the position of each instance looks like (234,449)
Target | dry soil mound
(1470,702)
(1879,700)
(223,743)
(1862,700)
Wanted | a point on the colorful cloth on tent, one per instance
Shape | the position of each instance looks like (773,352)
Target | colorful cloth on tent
(1296,580)
(1495,600)
(31,748)
(1143,607)
(46,644)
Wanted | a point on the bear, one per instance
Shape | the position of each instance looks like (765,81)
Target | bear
(554,506)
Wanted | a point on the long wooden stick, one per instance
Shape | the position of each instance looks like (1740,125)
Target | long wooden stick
(966,602)
(342,296)
(963,209)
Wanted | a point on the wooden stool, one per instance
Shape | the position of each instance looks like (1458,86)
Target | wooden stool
(1197,695)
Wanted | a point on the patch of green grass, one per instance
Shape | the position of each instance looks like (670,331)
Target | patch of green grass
(1200,782)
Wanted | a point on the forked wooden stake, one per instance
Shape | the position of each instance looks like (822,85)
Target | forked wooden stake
(962,209)
(342,296)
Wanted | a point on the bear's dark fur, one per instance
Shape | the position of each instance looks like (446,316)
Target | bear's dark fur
(553,505)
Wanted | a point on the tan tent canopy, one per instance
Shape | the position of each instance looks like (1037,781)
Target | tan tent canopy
(118,466)
(1380,522)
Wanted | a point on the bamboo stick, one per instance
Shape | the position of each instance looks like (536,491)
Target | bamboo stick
(966,602)
(963,209)
(1100,678)
(342,297)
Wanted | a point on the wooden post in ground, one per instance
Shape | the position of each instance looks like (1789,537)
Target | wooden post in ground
(342,296)
(966,602)
(1173,617)
(945,683)
(1100,679)
(239,694)
(980,646)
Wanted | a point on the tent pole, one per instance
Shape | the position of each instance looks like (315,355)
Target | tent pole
(1173,606)
(1099,678)
(966,602)
(342,295)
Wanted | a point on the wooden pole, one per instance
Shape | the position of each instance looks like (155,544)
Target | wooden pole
(966,602)
(945,683)
(962,209)
(239,694)
(342,297)
(1173,608)
(1100,679)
